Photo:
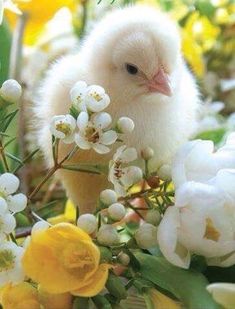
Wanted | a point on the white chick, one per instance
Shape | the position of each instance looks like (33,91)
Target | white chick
(134,53)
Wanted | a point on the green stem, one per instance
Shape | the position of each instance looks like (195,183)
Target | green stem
(4,159)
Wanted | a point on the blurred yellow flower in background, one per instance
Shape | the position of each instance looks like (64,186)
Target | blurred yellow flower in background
(161,301)
(62,259)
(69,215)
(38,13)
(198,36)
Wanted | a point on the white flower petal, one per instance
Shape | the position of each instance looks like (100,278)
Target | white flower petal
(9,223)
(223,293)
(168,240)
(108,138)
(3,206)
(77,92)
(101,149)
(128,155)
(102,120)
(17,202)
(131,175)
(82,120)
(81,142)
(69,139)
(9,183)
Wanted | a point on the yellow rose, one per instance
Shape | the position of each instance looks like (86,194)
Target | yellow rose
(54,301)
(63,259)
(20,296)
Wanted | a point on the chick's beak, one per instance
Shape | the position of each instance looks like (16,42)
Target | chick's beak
(160,83)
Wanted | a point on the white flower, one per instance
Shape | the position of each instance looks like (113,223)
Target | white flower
(63,127)
(197,161)
(9,184)
(223,293)
(87,223)
(77,94)
(116,211)
(96,99)
(107,235)
(11,270)
(201,222)
(9,5)
(11,91)
(108,197)
(125,125)
(146,236)
(7,220)
(91,132)
(124,177)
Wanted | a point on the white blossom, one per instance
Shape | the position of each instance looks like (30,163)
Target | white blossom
(93,133)
(88,223)
(108,197)
(11,91)
(96,99)
(198,161)
(201,222)
(223,294)
(77,95)
(63,127)
(11,270)
(107,235)
(125,125)
(7,220)
(146,236)
(121,176)
(9,184)
(116,211)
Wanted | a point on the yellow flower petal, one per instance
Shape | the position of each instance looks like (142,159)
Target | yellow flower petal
(20,296)
(161,301)
(61,259)
(55,301)
(96,282)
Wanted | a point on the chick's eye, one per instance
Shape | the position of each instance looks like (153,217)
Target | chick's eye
(131,69)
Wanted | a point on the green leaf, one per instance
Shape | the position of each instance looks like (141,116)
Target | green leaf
(115,287)
(5,122)
(87,168)
(5,43)
(188,286)
(214,135)
(101,302)
(220,274)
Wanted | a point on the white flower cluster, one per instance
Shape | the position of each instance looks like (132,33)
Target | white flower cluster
(91,129)
(202,221)
(116,210)
(10,254)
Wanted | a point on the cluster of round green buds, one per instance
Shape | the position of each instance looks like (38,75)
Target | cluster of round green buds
(11,91)
(116,211)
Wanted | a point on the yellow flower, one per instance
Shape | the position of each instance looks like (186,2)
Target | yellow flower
(25,296)
(161,301)
(20,296)
(38,13)
(69,215)
(63,259)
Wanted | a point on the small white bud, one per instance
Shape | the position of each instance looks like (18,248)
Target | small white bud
(146,236)
(108,197)
(125,125)
(124,258)
(87,223)
(147,153)
(116,211)
(11,91)
(164,172)
(39,226)
(153,217)
(107,235)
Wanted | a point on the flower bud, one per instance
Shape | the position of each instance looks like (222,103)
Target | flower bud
(146,236)
(147,153)
(116,211)
(107,235)
(164,172)
(40,225)
(125,125)
(108,197)
(153,182)
(153,217)
(87,223)
(11,91)
(124,258)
